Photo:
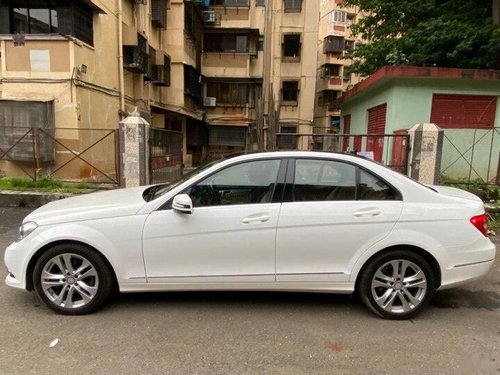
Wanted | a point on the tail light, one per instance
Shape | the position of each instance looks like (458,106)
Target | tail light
(481,223)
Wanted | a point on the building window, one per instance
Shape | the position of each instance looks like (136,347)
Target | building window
(328,97)
(215,42)
(293,5)
(159,13)
(260,43)
(331,70)
(192,24)
(229,93)
(349,45)
(290,92)
(291,47)
(151,73)
(135,58)
(351,19)
(260,3)
(70,17)
(192,83)
(30,17)
(338,17)
(16,119)
(333,44)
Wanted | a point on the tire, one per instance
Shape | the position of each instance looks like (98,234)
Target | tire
(72,279)
(396,285)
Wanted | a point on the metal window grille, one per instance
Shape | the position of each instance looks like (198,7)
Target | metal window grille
(16,119)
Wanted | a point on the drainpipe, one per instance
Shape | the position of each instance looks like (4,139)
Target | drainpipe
(268,42)
(120,59)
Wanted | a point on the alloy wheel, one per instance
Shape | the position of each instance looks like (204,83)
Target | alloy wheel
(69,280)
(399,286)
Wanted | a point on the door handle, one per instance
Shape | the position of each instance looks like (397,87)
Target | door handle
(253,219)
(367,212)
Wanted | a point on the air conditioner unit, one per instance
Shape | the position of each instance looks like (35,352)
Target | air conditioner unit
(209,101)
(209,16)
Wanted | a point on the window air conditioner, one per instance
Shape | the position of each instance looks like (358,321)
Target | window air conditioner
(209,101)
(209,16)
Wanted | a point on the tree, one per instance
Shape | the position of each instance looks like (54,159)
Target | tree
(444,33)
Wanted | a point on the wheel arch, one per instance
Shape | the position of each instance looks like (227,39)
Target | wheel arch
(429,258)
(32,262)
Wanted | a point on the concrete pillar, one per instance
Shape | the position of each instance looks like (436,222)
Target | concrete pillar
(134,150)
(426,142)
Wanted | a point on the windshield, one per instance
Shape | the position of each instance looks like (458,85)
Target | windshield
(157,191)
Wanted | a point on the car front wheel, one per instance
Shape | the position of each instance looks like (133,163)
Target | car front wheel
(72,279)
(396,285)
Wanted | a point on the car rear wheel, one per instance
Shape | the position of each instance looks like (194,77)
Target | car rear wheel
(72,279)
(396,285)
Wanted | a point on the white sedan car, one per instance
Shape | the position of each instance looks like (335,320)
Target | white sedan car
(291,221)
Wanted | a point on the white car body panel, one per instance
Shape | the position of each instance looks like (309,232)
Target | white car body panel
(152,249)
(334,236)
(226,245)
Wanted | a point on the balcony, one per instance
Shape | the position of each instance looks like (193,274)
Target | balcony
(135,57)
(227,14)
(227,52)
(333,44)
(163,71)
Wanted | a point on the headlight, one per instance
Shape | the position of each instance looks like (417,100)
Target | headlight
(26,229)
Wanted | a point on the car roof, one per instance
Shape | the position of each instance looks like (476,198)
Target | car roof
(281,154)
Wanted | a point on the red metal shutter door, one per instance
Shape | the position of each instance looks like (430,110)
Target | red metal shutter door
(463,111)
(376,125)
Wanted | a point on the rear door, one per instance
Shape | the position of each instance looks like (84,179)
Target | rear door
(332,211)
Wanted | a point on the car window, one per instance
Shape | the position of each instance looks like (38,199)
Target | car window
(372,188)
(244,183)
(324,180)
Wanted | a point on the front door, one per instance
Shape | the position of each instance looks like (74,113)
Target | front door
(229,237)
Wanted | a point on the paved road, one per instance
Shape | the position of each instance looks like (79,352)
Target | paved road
(248,333)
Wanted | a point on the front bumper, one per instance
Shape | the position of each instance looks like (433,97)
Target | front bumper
(11,280)
(16,261)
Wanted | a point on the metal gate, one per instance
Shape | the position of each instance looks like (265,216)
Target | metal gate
(68,154)
(471,156)
(165,155)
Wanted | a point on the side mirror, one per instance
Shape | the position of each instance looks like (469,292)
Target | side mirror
(183,203)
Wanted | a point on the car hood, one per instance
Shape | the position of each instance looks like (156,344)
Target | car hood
(455,192)
(113,203)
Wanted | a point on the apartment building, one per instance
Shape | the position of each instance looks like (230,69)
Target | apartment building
(226,74)
(333,77)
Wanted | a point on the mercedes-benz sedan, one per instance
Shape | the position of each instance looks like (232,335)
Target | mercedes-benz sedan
(291,221)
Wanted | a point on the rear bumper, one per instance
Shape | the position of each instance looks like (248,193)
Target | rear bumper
(464,273)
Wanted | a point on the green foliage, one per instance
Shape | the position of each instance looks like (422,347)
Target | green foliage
(43,183)
(444,33)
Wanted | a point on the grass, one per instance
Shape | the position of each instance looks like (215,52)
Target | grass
(43,184)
